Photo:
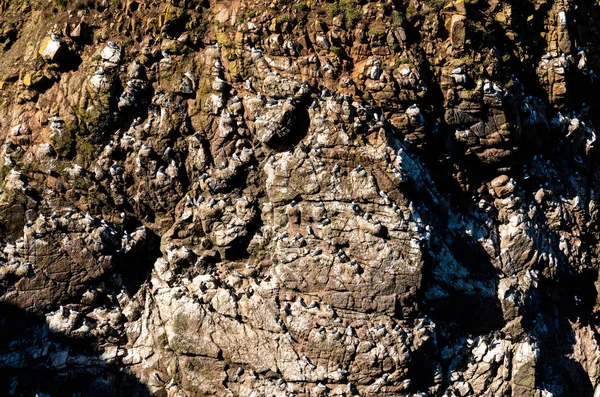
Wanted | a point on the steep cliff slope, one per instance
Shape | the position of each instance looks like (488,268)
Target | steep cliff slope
(278,198)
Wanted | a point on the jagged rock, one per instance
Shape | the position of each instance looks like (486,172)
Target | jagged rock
(320,198)
(50,48)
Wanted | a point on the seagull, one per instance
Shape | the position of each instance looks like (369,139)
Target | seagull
(156,377)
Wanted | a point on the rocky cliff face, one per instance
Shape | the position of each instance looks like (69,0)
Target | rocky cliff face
(250,198)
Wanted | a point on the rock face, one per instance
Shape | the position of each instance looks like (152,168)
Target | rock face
(244,198)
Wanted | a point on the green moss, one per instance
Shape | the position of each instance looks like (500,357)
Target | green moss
(332,9)
(397,18)
(437,4)
(61,3)
(18,155)
(352,17)
(251,14)
(466,61)
(4,170)
(190,366)
(337,51)
(64,143)
(401,61)
(162,339)
(181,322)
(352,12)
(84,150)
(376,32)
(301,7)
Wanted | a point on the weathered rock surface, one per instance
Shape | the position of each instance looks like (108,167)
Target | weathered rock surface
(240,198)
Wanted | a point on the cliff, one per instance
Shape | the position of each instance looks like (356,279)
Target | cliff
(278,198)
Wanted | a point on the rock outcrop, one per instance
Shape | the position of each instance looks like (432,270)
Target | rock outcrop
(243,198)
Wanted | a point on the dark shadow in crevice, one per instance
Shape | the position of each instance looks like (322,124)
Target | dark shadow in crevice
(298,130)
(54,364)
